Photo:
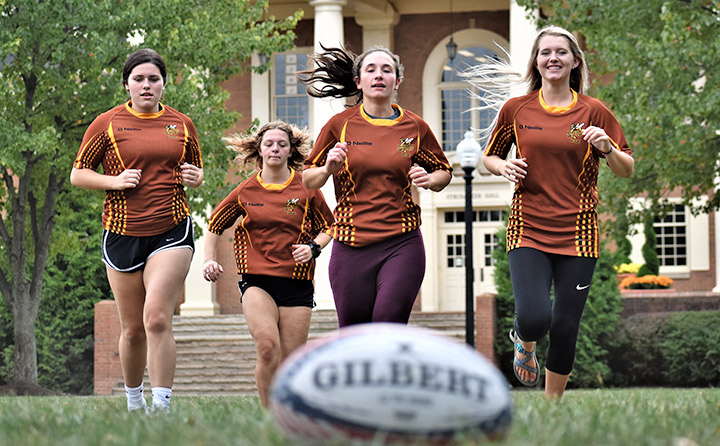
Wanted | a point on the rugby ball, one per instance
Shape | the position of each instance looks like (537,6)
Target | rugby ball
(386,383)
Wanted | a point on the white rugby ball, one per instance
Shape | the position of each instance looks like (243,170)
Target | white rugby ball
(385,383)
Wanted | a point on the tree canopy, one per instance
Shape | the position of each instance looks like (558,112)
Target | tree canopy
(657,66)
(60,67)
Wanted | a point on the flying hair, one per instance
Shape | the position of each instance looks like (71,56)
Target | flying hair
(493,83)
(496,81)
(247,146)
(333,75)
(336,70)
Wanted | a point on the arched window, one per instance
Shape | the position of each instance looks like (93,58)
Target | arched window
(457,116)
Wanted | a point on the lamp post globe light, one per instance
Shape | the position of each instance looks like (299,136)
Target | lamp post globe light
(468,151)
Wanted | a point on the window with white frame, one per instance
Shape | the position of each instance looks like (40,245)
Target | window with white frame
(290,102)
(455,256)
(672,237)
(457,116)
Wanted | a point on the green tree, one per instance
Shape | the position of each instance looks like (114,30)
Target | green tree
(74,281)
(60,66)
(660,74)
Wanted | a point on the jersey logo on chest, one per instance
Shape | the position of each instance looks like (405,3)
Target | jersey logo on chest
(575,133)
(171,131)
(406,147)
(291,205)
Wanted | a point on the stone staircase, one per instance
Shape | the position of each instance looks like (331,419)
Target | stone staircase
(216,355)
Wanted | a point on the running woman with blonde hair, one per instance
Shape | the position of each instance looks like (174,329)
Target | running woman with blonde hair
(560,136)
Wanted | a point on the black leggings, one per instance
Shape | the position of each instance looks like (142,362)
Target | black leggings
(532,273)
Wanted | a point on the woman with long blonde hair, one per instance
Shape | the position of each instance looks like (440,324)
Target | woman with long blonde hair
(560,135)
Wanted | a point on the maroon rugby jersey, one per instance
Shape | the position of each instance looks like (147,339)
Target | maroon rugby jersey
(158,144)
(273,218)
(373,190)
(554,208)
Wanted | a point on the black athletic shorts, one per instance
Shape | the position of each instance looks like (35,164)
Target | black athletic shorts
(127,254)
(285,292)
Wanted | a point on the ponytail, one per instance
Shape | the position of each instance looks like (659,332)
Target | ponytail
(336,71)
(333,75)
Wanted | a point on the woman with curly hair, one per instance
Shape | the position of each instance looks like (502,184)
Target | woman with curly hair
(375,151)
(281,231)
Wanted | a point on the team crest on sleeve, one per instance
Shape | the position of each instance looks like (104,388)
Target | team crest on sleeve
(171,131)
(575,132)
(291,205)
(406,147)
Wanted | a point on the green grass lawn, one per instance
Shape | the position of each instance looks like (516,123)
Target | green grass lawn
(633,417)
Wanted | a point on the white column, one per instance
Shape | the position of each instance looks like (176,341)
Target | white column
(260,93)
(329,31)
(199,294)
(377,25)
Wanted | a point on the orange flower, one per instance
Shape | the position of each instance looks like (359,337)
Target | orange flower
(648,282)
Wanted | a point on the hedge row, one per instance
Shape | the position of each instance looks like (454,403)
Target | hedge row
(673,349)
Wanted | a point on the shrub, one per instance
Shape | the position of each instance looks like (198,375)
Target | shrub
(635,354)
(649,251)
(691,349)
(667,349)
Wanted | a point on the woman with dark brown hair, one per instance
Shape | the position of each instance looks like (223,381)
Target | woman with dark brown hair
(148,151)
(375,151)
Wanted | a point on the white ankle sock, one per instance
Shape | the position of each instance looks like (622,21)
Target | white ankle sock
(135,399)
(161,397)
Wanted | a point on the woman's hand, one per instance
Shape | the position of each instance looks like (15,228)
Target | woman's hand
(211,270)
(191,175)
(128,179)
(302,253)
(514,169)
(434,181)
(420,177)
(598,138)
(336,158)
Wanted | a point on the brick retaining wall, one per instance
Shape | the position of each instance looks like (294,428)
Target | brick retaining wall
(107,369)
(668,301)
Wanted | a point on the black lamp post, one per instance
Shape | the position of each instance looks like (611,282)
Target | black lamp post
(468,151)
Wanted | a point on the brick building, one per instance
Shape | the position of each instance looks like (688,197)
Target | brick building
(418,31)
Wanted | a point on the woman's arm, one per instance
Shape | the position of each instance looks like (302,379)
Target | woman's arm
(315,177)
(435,181)
(90,179)
(511,169)
(619,162)
(211,268)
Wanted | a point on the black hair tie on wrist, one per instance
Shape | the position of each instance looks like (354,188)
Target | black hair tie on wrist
(314,248)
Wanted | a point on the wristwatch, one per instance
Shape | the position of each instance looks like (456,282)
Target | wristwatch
(314,248)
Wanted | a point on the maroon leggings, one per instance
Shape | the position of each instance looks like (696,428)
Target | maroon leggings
(379,282)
